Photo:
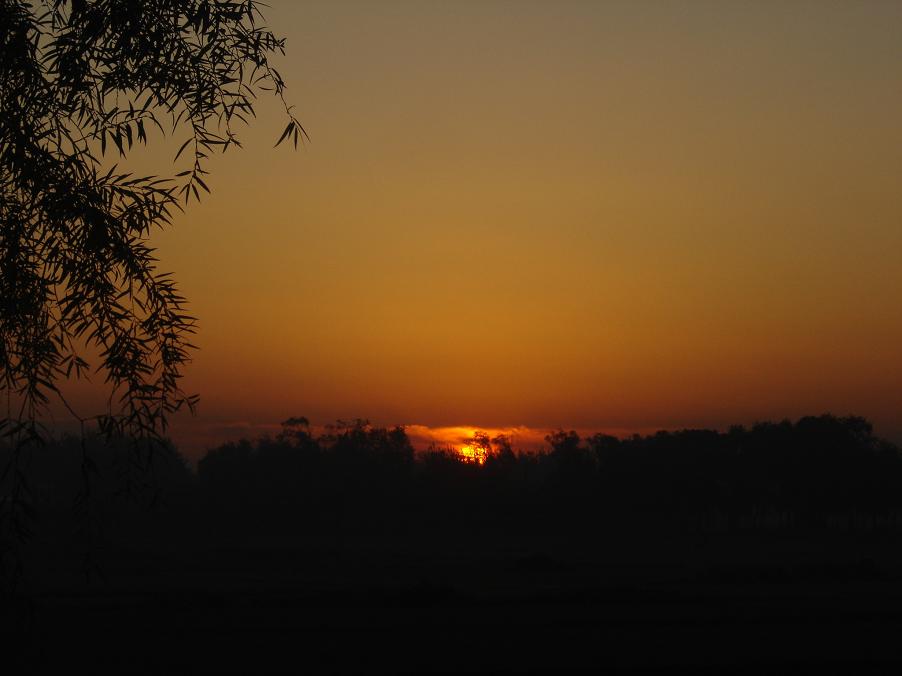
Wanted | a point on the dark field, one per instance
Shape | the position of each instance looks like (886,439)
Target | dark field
(725,602)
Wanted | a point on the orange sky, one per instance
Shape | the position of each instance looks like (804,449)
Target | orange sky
(594,215)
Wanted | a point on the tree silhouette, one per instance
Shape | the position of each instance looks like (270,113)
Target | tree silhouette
(82,83)
(818,473)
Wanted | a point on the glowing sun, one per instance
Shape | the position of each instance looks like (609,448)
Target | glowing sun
(472,453)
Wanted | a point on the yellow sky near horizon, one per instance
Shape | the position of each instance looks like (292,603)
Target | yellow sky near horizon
(620,215)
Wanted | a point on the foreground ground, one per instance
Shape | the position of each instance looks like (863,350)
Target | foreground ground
(451,603)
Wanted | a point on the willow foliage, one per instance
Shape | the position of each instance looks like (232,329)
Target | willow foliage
(83,84)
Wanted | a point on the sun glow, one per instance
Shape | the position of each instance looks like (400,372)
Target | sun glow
(472,453)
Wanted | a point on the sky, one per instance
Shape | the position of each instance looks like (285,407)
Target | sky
(609,216)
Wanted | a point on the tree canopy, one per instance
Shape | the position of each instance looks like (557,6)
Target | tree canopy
(84,83)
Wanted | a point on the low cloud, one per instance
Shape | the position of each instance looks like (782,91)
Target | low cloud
(522,438)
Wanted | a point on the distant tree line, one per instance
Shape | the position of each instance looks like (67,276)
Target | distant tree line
(818,472)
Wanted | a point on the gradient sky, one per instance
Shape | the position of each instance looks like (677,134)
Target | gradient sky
(606,216)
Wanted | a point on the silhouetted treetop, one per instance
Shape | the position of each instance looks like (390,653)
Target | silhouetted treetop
(782,474)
